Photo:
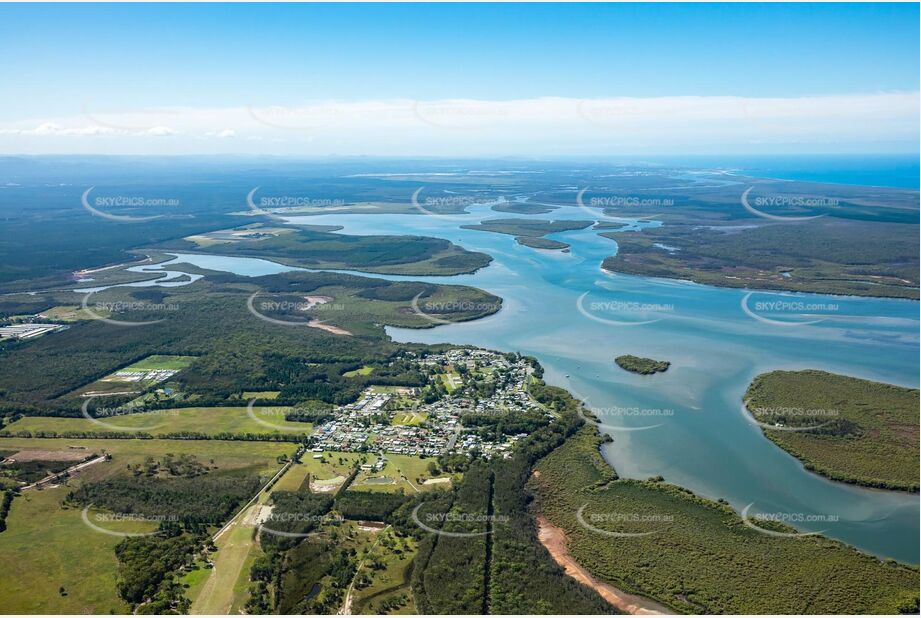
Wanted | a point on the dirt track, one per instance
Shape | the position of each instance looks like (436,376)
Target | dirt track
(554,539)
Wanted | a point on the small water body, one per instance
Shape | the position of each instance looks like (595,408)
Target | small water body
(686,424)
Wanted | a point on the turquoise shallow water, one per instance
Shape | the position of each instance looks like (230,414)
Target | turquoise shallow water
(686,424)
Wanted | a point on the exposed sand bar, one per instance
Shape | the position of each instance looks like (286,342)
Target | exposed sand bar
(554,539)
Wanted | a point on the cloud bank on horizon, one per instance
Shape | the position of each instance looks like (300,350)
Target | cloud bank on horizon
(852,123)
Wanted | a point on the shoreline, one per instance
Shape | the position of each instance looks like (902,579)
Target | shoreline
(554,541)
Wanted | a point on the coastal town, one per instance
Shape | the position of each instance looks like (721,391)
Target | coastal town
(396,420)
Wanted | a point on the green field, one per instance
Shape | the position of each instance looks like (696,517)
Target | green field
(864,432)
(700,557)
(52,547)
(72,313)
(73,555)
(157,361)
(366,370)
(208,421)
(404,473)
(409,418)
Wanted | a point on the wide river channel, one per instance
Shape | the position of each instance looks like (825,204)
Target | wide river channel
(687,424)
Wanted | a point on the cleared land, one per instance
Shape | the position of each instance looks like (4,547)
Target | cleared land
(861,432)
(207,421)
(403,473)
(138,376)
(75,556)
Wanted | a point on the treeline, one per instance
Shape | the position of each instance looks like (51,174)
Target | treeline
(147,568)
(201,500)
(294,513)
(175,435)
(506,570)
(369,505)
(5,504)
(498,424)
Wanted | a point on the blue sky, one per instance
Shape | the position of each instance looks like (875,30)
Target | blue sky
(61,59)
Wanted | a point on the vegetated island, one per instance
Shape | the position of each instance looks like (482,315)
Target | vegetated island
(317,248)
(525,208)
(638,364)
(530,233)
(844,428)
(824,256)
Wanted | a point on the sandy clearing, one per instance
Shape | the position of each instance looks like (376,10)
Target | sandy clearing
(327,327)
(328,485)
(444,479)
(554,539)
(48,455)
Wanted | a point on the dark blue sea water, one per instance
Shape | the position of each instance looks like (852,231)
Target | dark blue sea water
(879,170)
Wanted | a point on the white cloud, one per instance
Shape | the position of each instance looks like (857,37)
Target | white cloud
(160,131)
(550,125)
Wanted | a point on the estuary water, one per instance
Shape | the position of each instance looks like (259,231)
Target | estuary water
(687,424)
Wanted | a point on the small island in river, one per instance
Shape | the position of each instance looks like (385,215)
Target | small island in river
(638,364)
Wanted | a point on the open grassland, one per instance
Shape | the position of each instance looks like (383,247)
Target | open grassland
(257,458)
(51,547)
(409,418)
(697,555)
(72,313)
(332,464)
(363,371)
(401,473)
(206,421)
(864,432)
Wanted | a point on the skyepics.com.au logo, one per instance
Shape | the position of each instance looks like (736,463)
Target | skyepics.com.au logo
(108,523)
(782,520)
(790,418)
(289,524)
(307,305)
(104,310)
(276,417)
(615,417)
(768,207)
(448,207)
(478,524)
(623,525)
(788,310)
(623,313)
(100,206)
(103,415)
(267,206)
(602,204)
(430,310)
